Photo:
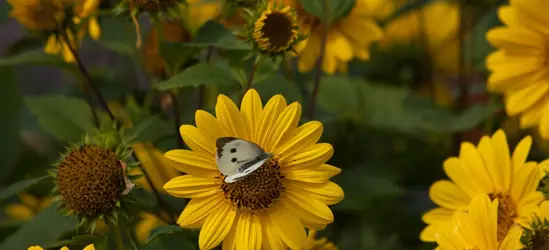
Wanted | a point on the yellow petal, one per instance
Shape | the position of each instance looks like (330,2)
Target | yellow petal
(217,226)
(155,165)
(438,215)
(211,127)
(198,209)
(188,186)
(300,138)
(544,122)
(447,194)
(286,122)
(512,239)
(95,29)
(521,153)
(193,162)
(483,217)
(248,232)
(229,243)
(526,180)
(196,140)
(309,210)
(35,248)
(309,158)
(271,239)
(251,109)
(229,116)
(502,160)
(329,193)
(19,212)
(521,99)
(428,234)
(320,175)
(528,205)
(272,110)
(457,173)
(52,46)
(89,247)
(532,116)
(478,163)
(288,226)
(502,37)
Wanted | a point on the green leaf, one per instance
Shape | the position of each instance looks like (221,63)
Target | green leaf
(338,95)
(164,230)
(66,118)
(42,230)
(176,54)
(214,34)
(79,240)
(10,111)
(37,57)
(336,8)
(200,74)
(118,35)
(19,187)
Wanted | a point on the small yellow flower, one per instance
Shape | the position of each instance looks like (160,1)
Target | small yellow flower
(318,244)
(478,229)
(30,205)
(38,15)
(487,169)
(275,31)
(343,42)
(518,68)
(270,208)
(88,247)
(86,9)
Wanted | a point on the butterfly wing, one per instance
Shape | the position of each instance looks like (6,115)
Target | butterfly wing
(247,171)
(234,155)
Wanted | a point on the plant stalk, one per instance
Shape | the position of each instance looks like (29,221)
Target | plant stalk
(320,61)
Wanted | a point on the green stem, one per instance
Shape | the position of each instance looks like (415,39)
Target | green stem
(252,74)
(117,236)
(320,60)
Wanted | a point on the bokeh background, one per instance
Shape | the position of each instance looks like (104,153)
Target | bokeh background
(392,119)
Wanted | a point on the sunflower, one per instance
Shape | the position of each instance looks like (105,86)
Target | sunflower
(88,247)
(38,15)
(318,244)
(270,208)
(518,66)
(275,31)
(478,228)
(487,169)
(197,12)
(343,42)
(536,233)
(434,26)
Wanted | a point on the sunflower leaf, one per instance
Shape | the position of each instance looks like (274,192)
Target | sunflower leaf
(66,118)
(42,230)
(19,187)
(199,74)
(214,34)
(37,57)
(170,237)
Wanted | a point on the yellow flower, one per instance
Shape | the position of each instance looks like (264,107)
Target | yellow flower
(478,229)
(518,68)
(30,205)
(158,168)
(144,227)
(487,169)
(275,31)
(269,208)
(318,244)
(86,9)
(197,12)
(38,15)
(88,247)
(436,26)
(343,42)
(56,45)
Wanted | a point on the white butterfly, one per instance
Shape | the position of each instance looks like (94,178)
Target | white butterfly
(237,158)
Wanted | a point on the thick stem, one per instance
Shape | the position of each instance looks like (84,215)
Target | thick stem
(252,75)
(462,71)
(117,236)
(320,61)
(202,88)
(87,78)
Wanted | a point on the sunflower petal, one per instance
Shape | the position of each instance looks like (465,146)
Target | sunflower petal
(302,137)
(211,127)
(309,158)
(438,215)
(198,209)
(217,226)
(329,193)
(251,109)
(270,239)
(521,153)
(229,116)
(195,139)
(192,162)
(272,110)
(447,194)
(286,121)
(248,232)
(429,233)
(320,175)
(289,227)
(188,186)
(308,209)
(526,181)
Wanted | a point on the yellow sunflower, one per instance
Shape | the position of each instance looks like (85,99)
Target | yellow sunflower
(318,244)
(197,12)
(275,31)
(343,42)
(435,25)
(30,205)
(478,229)
(270,208)
(38,15)
(487,169)
(88,247)
(518,68)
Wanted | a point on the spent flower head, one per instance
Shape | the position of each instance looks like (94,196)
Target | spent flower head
(90,179)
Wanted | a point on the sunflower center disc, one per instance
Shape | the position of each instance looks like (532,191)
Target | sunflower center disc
(507,213)
(540,239)
(257,191)
(278,29)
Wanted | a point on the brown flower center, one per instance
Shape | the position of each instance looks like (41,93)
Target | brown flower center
(90,180)
(257,191)
(278,29)
(540,239)
(507,213)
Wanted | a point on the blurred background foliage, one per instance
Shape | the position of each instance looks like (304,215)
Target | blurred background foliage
(392,119)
